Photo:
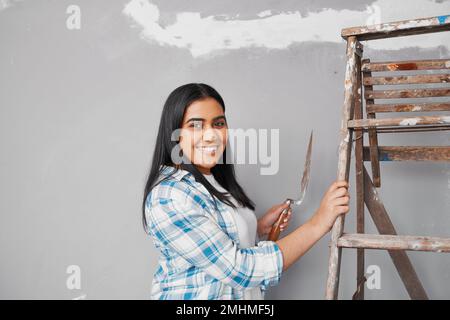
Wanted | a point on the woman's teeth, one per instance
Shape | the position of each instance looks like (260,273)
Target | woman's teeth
(208,149)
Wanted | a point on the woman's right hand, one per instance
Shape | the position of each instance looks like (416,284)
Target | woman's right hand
(334,203)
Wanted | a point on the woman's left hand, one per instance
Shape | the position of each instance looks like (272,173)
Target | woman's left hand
(266,222)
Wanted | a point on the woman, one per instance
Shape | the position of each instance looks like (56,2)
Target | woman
(200,218)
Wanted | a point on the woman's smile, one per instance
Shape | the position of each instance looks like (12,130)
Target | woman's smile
(208,149)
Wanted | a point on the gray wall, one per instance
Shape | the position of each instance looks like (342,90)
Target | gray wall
(79,114)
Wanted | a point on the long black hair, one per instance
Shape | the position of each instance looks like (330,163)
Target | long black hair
(171,120)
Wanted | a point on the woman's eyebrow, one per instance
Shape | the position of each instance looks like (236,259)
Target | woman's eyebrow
(219,117)
(201,119)
(195,119)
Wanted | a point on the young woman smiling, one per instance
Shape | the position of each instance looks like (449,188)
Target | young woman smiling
(211,243)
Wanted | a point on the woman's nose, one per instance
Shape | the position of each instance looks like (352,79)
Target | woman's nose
(209,135)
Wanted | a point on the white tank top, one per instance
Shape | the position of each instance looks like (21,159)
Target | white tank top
(247,225)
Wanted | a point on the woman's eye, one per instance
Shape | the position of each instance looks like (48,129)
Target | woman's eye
(196,125)
(220,124)
(199,124)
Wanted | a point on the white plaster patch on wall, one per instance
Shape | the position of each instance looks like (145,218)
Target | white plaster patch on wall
(203,35)
(264,13)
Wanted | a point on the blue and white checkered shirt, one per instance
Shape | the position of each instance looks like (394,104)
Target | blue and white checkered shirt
(200,255)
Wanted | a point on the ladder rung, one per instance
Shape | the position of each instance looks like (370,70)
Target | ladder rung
(413,129)
(414,79)
(401,122)
(406,65)
(391,242)
(410,153)
(407,107)
(398,28)
(406,93)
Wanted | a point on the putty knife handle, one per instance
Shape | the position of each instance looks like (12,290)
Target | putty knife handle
(275,231)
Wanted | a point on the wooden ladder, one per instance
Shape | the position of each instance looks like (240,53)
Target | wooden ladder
(359,81)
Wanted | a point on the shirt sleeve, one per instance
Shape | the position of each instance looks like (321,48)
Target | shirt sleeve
(180,222)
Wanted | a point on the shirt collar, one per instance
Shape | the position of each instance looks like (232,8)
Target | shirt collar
(178,175)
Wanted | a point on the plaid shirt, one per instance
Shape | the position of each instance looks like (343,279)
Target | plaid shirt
(200,255)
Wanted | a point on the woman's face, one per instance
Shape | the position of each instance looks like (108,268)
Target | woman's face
(203,134)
